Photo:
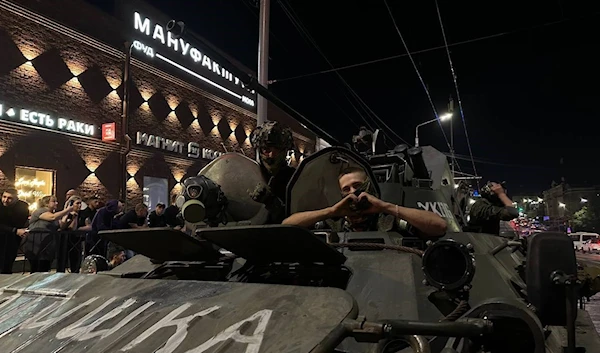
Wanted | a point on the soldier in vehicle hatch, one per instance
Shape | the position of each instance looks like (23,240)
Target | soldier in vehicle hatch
(272,141)
(359,210)
(493,206)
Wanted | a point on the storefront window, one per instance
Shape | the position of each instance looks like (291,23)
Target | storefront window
(33,184)
(156,190)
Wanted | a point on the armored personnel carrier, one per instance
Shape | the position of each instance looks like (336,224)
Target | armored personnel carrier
(242,286)
(234,284)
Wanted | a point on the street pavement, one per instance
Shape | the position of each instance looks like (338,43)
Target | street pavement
(593,309)
(588,259)
(593,306)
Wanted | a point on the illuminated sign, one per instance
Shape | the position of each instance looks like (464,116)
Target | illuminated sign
(109,132)
(191,149)
(38,119)
(181,57)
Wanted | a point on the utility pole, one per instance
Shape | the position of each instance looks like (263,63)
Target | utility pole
(263,58)
(452,159)
(125,139)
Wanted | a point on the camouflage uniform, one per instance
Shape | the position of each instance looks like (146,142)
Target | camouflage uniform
(380,223)
(274,194)
(486,216)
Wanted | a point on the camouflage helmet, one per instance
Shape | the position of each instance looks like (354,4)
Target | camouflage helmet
(272,134)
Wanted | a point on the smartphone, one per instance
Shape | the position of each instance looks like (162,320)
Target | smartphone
(71,203)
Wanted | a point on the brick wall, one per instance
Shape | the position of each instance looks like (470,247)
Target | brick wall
(45,70)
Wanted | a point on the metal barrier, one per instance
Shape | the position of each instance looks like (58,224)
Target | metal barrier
(54,245)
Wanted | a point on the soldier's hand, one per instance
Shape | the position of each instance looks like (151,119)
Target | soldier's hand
(22,232)
(262,193)
(497,189)
(373,204)
(345,207)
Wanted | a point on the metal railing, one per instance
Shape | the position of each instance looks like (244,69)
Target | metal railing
(54,246)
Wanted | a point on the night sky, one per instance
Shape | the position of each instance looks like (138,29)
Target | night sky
(530,91)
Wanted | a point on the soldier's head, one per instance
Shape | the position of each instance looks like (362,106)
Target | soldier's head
(272,141)
(356,180)
(351,179)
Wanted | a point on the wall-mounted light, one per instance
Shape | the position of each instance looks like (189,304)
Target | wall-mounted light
(74,82)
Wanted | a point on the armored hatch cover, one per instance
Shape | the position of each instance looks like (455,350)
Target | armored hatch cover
(273,243)
(238,174)
(315,185)
(163,243)
(77,313)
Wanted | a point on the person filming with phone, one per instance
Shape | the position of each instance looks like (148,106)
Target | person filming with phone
(360,210)
(39,245)
(493,206)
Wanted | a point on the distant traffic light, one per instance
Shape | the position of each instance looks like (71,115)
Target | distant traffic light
(520,209)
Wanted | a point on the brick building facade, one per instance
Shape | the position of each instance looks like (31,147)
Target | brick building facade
(562,201)
(62,62)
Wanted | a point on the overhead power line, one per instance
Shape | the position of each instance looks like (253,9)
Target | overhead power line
(306,36)
(502,164)
(454,79)
(439,47)
(303,31)
(418,72)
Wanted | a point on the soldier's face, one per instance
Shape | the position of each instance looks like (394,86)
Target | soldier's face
(349,183)
(270,154)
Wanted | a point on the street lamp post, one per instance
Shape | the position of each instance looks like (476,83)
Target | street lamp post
(442,117)
(263,59)
(125,139)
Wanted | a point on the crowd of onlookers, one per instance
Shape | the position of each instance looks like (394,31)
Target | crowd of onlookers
(40,236)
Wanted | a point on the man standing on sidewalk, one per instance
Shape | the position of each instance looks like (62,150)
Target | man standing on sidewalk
(13,219)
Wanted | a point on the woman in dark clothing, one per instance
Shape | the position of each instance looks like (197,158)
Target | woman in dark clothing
(39,243)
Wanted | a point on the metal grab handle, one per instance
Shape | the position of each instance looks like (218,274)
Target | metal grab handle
(462,328)
(411,331)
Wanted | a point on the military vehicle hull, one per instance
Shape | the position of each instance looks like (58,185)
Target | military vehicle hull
(105,312)
(87,313)
(275,288)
